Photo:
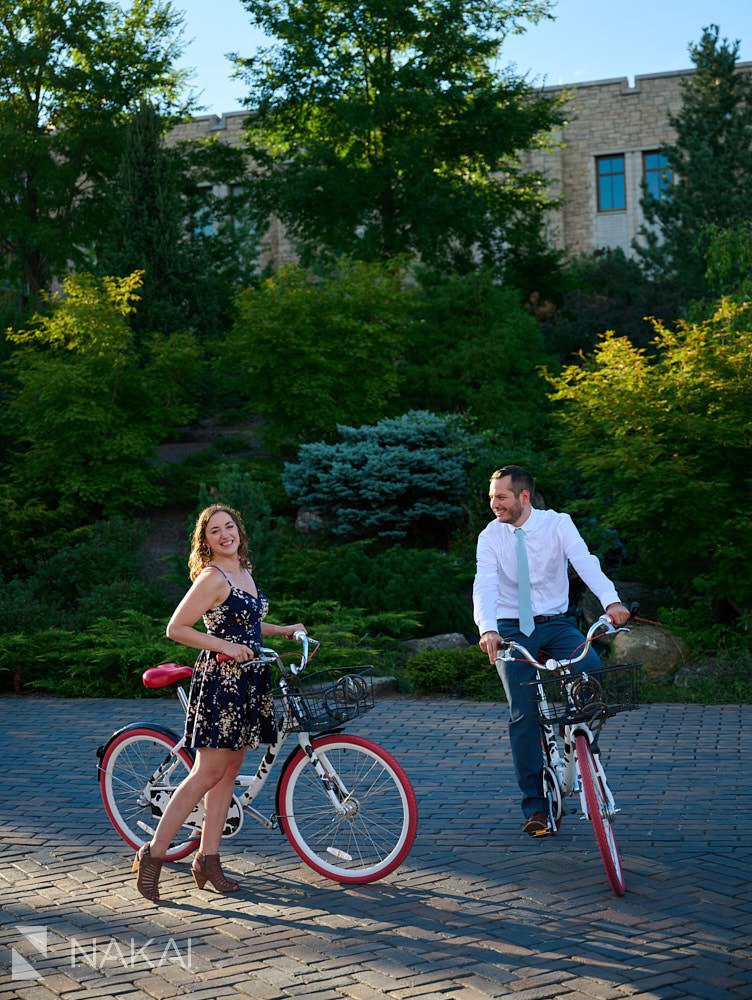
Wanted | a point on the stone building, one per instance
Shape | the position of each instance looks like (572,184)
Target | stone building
(609,146)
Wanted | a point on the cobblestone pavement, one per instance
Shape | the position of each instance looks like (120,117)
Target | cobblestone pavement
(478,910)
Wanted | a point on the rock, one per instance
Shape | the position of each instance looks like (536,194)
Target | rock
(449,640)
(660,652)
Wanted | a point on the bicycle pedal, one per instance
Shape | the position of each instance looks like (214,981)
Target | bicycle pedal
(543,833)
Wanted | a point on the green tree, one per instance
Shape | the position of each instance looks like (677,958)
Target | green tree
(307,353)
(195,247)
(469,326)
(382,128)
(711,162)
(664,445)
(85,411)
(147,225)
(70,74)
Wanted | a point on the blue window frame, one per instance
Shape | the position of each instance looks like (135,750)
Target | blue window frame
(609,175)
(656,174)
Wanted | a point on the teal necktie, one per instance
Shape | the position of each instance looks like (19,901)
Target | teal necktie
(523,585)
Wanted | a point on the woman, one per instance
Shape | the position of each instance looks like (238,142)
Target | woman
(230,705)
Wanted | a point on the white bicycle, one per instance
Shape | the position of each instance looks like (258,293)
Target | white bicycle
(578,704)
(344,803)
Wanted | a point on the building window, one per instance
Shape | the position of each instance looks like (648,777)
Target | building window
(609,174)
(656,174)
(204,223)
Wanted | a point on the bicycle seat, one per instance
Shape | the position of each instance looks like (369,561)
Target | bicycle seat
(164,674)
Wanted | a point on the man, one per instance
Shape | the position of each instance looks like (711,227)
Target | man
(521,592)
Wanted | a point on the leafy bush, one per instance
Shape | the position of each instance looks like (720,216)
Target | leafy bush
(664,447)
(428,585)
(308,353)
(459,672)
(86,410)
(605,290)
(472,332)
(398,477)
(104,660)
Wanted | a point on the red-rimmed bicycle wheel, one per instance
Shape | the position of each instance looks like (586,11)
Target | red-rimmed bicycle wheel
(134,802)
(597,807)
(376,830)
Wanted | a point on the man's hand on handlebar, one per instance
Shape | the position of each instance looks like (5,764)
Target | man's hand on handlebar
(489,643)
(618,614)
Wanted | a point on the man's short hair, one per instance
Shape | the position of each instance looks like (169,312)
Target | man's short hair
(520,478)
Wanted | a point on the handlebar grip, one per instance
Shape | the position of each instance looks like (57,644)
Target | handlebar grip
(298,635)
(226,658)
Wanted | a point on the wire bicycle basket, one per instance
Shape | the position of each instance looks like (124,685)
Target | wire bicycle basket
(326,699)
(592,695)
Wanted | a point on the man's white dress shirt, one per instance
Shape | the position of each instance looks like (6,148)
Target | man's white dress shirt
(552,541)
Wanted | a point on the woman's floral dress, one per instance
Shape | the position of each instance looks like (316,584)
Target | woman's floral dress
(230,705)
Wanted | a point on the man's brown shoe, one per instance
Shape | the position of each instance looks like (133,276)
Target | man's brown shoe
(535,825)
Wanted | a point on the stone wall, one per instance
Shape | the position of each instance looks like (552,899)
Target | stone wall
(603,117)
(606,117)
(275,248)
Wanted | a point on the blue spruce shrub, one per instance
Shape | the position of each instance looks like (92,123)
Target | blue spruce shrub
(401,476)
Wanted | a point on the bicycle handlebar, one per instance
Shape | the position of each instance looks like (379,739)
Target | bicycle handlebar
(269,655)
(605,623)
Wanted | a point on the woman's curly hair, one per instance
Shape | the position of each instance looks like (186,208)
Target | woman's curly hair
(201,555)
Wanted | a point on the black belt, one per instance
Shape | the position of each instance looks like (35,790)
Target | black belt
(537,619)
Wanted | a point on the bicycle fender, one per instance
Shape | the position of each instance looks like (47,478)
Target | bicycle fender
(102,750)
(288,761)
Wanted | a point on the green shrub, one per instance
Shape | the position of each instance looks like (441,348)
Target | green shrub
(430,586)
(462,673)
(473,336)
(104,660)
(664,447)
(308,353)
(402,476)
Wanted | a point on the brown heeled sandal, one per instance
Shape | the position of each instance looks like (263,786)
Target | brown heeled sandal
(206,868)
(148,869)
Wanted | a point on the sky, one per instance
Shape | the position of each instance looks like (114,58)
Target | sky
(588,40)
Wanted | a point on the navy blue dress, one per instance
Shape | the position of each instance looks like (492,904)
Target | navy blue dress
(230,705)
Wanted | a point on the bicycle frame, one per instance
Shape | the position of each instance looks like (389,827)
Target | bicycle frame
(335,789)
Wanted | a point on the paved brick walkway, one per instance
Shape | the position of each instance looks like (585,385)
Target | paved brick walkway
(477,910)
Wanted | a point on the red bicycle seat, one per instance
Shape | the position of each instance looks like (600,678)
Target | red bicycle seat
(164,674)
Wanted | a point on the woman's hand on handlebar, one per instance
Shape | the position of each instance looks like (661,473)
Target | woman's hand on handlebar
(238,652)
(289,630)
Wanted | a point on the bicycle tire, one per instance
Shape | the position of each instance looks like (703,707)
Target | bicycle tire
(598,813)
(130,759)
(376,837)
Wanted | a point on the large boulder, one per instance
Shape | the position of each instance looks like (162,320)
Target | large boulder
(449,640)
(660,652)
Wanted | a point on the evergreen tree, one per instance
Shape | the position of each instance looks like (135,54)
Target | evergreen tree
(381,128)
(711,163)
(195,247)
(147,227)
